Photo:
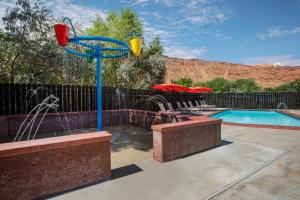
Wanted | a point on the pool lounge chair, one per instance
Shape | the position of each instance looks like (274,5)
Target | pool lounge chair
(198,107)
(179,105)
(191,108)
(170,108)
(162,107)
(205,107)
(184,107)
(203,104)
(197,103)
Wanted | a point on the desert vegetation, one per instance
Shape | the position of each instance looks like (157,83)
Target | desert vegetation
(240,85)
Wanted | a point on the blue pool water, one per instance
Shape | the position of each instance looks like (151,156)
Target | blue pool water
(257,117)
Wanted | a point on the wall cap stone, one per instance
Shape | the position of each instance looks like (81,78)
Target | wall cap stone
(15,148)
(193,122)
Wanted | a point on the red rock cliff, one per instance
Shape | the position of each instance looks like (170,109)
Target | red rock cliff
(200,70)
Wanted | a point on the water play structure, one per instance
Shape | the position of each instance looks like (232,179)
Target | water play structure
(95,51)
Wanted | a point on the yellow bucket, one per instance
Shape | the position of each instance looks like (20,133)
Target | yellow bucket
(136,46)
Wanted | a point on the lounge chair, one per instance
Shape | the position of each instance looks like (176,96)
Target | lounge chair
(191,108)
(203,104)
(204,107)
(172,110)
(185,105)
(170,107)
(191,105)
(197,103)
(186,108)
(179,105)
(162,107)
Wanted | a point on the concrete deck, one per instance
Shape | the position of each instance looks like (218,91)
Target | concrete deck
(253,163)
(129,145)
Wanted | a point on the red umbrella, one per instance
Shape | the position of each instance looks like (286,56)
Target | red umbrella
(171,87)
(200,89)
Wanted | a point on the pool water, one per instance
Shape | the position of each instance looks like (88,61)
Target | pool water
(257,117)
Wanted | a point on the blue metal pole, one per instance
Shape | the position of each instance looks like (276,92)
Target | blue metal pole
(99,88)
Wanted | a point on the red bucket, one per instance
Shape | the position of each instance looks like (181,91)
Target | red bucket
(62,34)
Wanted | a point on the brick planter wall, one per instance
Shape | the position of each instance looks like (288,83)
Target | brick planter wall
(146,119)
(174,140)
(10,124)
(36,168)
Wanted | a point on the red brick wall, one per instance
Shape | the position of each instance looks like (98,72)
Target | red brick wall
(9,125)
(36,168)
(146,119)
(172,141)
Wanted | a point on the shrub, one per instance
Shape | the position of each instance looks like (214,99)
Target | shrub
(245,85)
(218,85)
(184,81)
(293,86)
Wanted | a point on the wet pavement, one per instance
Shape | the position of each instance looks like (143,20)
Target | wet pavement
(129,136)
(129,145)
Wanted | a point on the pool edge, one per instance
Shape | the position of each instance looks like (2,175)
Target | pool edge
(260,125)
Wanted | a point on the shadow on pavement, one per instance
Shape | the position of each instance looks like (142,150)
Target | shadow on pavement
(124,171)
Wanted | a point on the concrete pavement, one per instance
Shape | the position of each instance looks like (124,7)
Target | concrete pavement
(254,163)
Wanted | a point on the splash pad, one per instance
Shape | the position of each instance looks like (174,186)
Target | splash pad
(95,51)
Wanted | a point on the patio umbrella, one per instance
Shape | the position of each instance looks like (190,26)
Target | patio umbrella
(200,89)
(171,87)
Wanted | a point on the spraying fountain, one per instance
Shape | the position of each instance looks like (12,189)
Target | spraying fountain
(45,102)
(282,105)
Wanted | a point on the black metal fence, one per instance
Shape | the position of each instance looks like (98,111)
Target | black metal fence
(21,98)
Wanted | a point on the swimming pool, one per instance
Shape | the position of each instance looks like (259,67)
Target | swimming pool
(257,117)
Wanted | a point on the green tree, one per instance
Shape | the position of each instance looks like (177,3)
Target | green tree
(184,81)
(245,85)
(117,27)
(293,86)
(5,59)
(30,53)
(143,71)
(132,72)
(218,85)
(239,85)
(270,89)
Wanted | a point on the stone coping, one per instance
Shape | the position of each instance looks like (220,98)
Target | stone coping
(289,114)
(89,112)
(49,114)
(261,125)
(159,113)
(15,148)
(192,122)
(294,128)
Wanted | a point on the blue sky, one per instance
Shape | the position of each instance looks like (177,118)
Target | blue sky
(239,31)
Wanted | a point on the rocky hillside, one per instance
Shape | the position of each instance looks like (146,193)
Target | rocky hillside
(200,70)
